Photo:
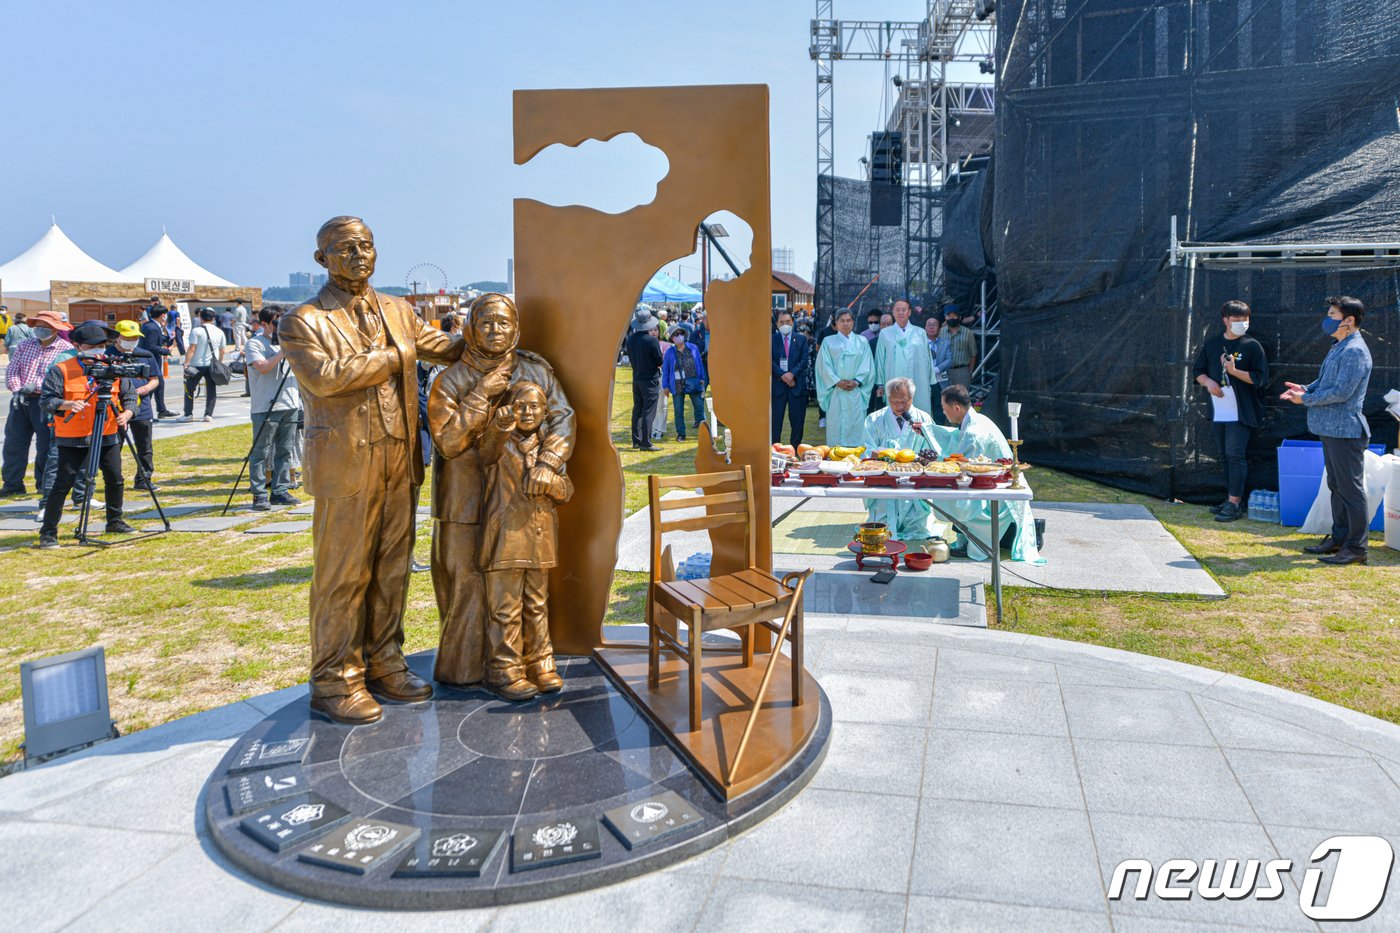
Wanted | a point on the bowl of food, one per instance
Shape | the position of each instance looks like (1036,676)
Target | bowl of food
(869,468)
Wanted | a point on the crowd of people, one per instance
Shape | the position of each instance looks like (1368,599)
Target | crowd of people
(873,388)
(670,363)
(54,399)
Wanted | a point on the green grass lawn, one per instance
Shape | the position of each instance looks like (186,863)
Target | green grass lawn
(191,622)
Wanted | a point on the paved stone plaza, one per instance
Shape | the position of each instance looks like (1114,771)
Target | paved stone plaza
(976,780)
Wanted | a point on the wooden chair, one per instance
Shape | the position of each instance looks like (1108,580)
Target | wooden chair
(751,597)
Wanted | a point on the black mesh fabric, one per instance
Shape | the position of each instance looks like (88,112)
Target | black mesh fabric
(1253,121)
(859,256)
(967,242)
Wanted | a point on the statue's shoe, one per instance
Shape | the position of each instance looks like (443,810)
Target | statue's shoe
(352,709)
(400,687)
(548,681)
(515,691)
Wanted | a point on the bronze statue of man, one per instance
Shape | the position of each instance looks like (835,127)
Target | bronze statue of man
(461,405)
(354,352)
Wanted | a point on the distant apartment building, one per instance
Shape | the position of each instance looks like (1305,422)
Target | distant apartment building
(783,259)
(298,279)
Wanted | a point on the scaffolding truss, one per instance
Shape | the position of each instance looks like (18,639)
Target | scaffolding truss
(930,111)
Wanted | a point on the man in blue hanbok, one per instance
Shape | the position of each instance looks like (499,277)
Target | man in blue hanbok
(975,435)
(901,426)
(845,377)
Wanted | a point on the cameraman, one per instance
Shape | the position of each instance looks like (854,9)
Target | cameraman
(128,349)
(70,397)
(275,415)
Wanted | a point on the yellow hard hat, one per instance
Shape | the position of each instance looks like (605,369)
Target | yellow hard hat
(129,328)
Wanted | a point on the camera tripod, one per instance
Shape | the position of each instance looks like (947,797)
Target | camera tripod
(257,439)
(102,394)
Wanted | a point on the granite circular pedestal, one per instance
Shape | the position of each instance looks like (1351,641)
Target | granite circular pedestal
(454,771)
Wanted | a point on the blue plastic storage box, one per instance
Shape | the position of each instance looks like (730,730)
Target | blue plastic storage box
(1299,473)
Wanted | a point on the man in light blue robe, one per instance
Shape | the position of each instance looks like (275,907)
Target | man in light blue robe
(902,426)
(975,435)
(902,350)
(845,378)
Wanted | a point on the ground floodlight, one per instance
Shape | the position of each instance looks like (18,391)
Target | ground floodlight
(65,702)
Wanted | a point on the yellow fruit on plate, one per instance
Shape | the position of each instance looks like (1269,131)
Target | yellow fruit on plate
(905,456)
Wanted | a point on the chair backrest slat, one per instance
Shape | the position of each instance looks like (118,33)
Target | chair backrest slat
(705,522)
(699,480)
(696,502)
(733,506)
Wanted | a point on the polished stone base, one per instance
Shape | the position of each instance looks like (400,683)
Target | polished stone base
(466,769)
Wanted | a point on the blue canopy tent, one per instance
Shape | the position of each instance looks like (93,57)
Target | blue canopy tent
(663,287)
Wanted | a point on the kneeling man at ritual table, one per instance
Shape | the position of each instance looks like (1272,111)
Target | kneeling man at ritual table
(901,426)
(975,435)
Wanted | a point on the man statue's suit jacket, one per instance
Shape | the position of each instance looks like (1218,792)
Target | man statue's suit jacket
(336,366)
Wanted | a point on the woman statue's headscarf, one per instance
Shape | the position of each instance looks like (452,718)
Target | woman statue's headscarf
(476,357)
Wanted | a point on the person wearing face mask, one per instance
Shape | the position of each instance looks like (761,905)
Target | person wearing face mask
(789,359)
(67,395)
(1334,402)
(683,376)
(1233,368)
(29,361)
(128,349)
(872,327)
(962,351)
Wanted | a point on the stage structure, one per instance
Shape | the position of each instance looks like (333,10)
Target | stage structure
(1268,129)
(941,125)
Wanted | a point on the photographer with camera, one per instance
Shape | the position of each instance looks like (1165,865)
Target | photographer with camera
(276,409)
(128,349)
(71,394)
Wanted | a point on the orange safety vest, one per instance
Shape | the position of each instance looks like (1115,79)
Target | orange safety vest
(77,386)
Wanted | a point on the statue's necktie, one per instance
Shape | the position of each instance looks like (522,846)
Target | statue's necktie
(364,318)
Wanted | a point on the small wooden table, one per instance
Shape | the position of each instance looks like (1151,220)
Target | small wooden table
(891,553)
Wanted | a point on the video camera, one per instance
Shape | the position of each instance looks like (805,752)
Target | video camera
(107,369)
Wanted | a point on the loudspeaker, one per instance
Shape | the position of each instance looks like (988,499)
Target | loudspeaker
(886,205)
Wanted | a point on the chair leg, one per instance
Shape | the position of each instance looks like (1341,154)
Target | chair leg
(696,660)
(653,647)
(746,639)
(799,645)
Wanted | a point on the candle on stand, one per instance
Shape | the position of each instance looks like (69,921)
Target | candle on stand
(1014,435)
(1014,410)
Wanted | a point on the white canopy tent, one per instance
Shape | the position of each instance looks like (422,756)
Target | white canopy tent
(53,258)
(165,260)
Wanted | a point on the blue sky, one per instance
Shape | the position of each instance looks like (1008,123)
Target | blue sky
(240,127)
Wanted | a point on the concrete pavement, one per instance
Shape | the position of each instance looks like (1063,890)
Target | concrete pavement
(976,779)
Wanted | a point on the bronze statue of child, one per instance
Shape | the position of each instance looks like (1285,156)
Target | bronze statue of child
(519,543)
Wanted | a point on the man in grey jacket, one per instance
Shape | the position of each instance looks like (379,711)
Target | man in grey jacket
(1334,401)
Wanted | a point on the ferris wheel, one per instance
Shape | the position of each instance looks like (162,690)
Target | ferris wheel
(424,278)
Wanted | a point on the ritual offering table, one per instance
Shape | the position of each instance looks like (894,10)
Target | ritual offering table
(891,553)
